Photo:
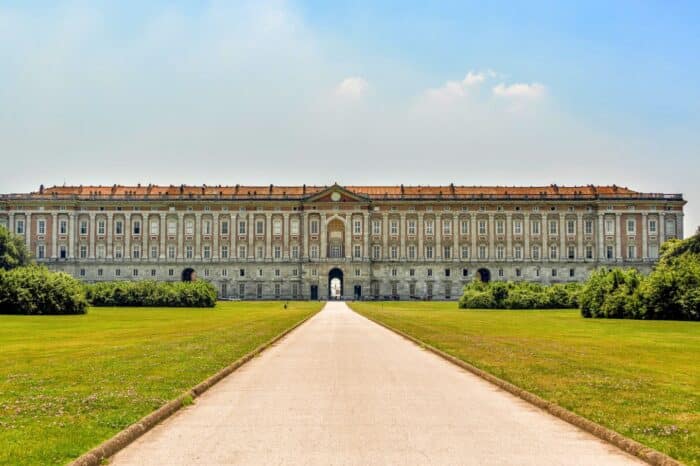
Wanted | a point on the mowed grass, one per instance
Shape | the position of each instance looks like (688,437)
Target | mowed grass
(69,382)
(639,378)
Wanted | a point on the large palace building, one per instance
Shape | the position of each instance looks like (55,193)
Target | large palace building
(367,242)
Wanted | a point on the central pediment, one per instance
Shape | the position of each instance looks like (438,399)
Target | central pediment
(336,193)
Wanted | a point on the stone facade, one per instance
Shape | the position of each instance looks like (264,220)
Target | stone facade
(288,242)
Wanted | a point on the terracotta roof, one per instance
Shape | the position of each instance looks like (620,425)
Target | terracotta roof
(372,192)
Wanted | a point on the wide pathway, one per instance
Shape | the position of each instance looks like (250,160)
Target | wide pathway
(343,390)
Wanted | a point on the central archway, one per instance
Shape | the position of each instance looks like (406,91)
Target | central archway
(335,284)
(189,275)
(484,275)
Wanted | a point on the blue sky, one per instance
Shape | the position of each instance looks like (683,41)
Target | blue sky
(352,91)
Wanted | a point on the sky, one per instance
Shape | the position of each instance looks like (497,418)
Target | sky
(354,92)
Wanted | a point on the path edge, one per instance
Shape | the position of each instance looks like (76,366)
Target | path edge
(125,437)
(626,444)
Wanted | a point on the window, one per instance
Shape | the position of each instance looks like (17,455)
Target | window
(536,253)
(41,227)
(295,252)
(517,227)
(412,272)
(314,227)
(100,251)
(552,252)
(429,252)
(40,251)
(609,227)
(117,273)
(554,272)
(465,272)
(100,227)
(394,227)
(631,252)
(62,252)
(294,227)
(653,251)
(652,226)
(429,227)
(482,252)
(19,227)
(464,227)
(535,227)
(83,228)
(224,251)
(357,226)
(241,290)
(189,252)
(259,252)
(189,227)
(82,272)
(153,272)
(224,227)
(518,252)
(500,272)
(609,252)
(357,251)
(448,272)
(241,272)
(241,252)
(446,227)
(117,252)
(376,227)
(500,227)
(500,252)
(447,252)
(411,252)
(571,252)
(482,227)
(154,252)
(82,251)
(394,272)
(277,227)
(572,272)
(376,252)
(277,290)
(277,272)
(631,226)
(154,227)
(314,251)
(136,252)
(553,227)
(570,227)
(259,227)
(588,227)
(135,272)
(670,226)
(241,227)
(118,227)
(277,252)
(172,227)
(99,272)
(259,291)
(465,252)
(589,252)
(411,228)
(136,227)
(171,252)
(430,272)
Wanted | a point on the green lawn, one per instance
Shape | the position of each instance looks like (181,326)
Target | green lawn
(69,382)
(640,378)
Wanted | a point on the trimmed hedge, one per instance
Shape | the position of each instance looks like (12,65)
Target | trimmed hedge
(151,293)
(519,295)
(36,290)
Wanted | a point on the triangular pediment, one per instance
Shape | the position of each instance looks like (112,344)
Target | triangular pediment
(336,193)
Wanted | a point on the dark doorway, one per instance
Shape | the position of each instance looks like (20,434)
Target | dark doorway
(335,284)
(314,292)
(484,275)
(358,291)
(189,275)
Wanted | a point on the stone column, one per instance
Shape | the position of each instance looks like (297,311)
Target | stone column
(127,235)
(579,236)
(474,233)
(233,231)
(28,231)
(250,229)
(305,234)
(54,235)
(110,236)
(403,231)
(601,236)
(645,252)
(509,237)
(145,232)
(563,254)
(268,235)
(198,236)
(348,236)
(324,237)
(91,236)
(286,228)
(438,237)
(662,228)
(11,224)
(180,235)
(385,235)
(491,233)
(421,228)
(456,230)
(618,236)
(365,231)
(71,236)
(679,225)
(215,235)
(163,235)
(544,231)
(526,237)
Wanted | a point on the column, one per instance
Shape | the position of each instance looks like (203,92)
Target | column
(145,231)
(509,237)
(54,233)
(233,254)
(563,254)
(544,231)
(679,225)
(491,238)
(348,236)
(365,232)
(324,237)
(645,252)
(579,236)
(601,237)
(385,235)
(71,235)
(438,237)
(618,237)
(286,228)
(11,225)
(456,230)
(251,236)
(127,236)
(180,235)
(421,230)
(215,236)
(662,229)
(198,236)
(268,235)
(403,231)
(91,236)
(28,231)
(526,236)
(110,229)
(163,233)
(305,234)
(474,256)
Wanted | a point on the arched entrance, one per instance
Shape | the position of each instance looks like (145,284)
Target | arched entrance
(335,284)
(189,275)
(484,275)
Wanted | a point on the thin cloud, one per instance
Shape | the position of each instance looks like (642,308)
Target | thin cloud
(353,87)
(519,90)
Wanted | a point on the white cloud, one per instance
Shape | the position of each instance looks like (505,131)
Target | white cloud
(353,87)
(458,89)
(519,90)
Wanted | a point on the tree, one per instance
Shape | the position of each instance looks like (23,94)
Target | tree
(13,252)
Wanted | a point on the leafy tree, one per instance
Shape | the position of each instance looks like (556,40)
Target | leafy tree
(13,251)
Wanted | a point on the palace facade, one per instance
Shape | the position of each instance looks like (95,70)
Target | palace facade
(367,242)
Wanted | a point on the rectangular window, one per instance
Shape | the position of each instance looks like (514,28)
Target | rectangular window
(224,251)
(241,290)
(83,251)
(464,227)
(609,252)
(277,227)
(154,227)
(570,227)
(411,228)
(206,227)
(241,227)
(535,227)
(62,227)
(154,252)
(314,251)
(631,226)
(394,227)
(517,227)
(394,252)
(117,252)
(136,252)
(40,251)
(172,228)
(571,252)
(653,251)
(171,252)
(536,253)
(429,227)
(41,227)
(447,252)
(552,252)
(118,227)
(189,252)
(482,227)
(189,227)
(224,227)
(62,252)
(357,251)
(376,227)
(19,227)
(465,252)
(588,227)
(631,252)
(314,227)
(241,252)
(83,227)
(670,227)
(277,251)
(609,227)
(136,227)
(518,253)
(412,252)
(500,227)
(357,227)
(259,252)
(376,252)
(446,227)
(589,252)
(500,252)
(294,228)
(652,226)
(553,227)
(429,252)
(482,252)
(295,252)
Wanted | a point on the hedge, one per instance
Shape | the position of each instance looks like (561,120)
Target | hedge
(151,293)
(519,295)
(36,290)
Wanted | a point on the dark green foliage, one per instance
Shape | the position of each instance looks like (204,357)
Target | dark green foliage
(519,295)
(13,251)
(671,291)
(150,293)
(36,290)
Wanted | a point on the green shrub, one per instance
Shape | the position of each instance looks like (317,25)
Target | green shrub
(36,290)
(13,251)
(150,293)
(519,295)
